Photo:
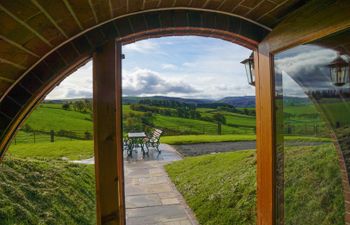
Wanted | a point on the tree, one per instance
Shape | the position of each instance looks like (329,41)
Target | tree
(88,105)
(79,106)
(218,117)
(66,106)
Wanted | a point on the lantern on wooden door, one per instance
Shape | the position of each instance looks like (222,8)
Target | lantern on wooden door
(339,71)
(249,68)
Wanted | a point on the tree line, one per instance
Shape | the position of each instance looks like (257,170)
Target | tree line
(179,111)
(83,106)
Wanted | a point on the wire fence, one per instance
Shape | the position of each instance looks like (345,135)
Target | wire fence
(38,136)
(306,129)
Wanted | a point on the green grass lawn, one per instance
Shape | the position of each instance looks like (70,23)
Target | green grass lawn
(194,139)
(221,188)
(46,192)
(73,150)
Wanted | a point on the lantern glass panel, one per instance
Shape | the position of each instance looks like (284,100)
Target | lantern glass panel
(248,72)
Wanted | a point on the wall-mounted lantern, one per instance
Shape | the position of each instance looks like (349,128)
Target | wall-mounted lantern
(339,71)
(249,68)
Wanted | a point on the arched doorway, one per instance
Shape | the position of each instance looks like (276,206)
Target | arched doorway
(34,31)
(104,43)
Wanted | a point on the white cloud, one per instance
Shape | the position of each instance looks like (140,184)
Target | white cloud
(195,67)
(305,62)
(147,82)
(169,66)
(188,64)
(77,85)
(145,46)
(305,69)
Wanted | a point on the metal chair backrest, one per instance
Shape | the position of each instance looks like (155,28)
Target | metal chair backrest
(157,133)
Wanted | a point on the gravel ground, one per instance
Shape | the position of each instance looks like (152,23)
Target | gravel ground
(208,148)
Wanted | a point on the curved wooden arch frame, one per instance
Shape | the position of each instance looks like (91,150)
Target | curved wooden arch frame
(195,31)
(126,29)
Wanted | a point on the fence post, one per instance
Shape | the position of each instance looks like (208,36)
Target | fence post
(316,127)
(52,136)
(219,128)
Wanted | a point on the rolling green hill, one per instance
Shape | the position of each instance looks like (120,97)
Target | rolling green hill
(51,116)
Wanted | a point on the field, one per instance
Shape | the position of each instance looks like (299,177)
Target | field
(301,119)
(221,188)
(69,124)
(51,116)
(332,110)
(231,118)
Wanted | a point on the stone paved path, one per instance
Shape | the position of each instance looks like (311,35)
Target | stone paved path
(151,198)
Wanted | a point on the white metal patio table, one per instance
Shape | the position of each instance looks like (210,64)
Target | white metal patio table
(136,139)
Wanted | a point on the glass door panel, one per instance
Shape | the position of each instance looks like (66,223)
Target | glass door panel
(312,102)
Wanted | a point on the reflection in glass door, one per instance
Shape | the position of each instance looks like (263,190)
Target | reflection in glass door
(312,102)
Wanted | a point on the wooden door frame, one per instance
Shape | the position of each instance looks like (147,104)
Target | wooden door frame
(108,134)
(315,20)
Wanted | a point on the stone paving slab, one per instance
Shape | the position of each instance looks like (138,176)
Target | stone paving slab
(151,198)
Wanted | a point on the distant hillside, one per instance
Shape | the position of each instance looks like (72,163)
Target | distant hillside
(236,101)
(249,101)
(132,99)
(240,101)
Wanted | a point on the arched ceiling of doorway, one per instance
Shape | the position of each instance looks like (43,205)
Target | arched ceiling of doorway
(41,41)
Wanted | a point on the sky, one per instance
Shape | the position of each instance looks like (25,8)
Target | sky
(185,66)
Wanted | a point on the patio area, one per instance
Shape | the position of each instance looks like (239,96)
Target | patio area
(151,198)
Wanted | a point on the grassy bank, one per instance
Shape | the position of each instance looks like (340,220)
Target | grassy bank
(46,192)
(221,188)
